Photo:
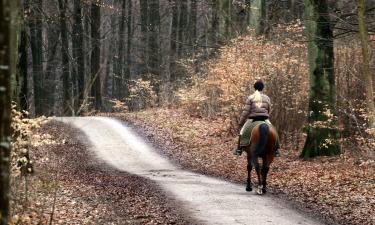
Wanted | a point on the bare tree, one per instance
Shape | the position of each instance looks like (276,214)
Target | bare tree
(68,107)
(95,56)
(367,78)
(7,68)
(78,50)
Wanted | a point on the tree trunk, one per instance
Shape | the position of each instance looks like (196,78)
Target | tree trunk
(258,18)
(144,37)
(6,69)
(173,38)
(322,134)
(36,42)
(78,54)
(367,78)
(14,37)
(248,12)
(129,46)
(95,56)
(22,70)
(153,44)
(193,27)
(120,61)
(182,27)
(53,98)
(68,107)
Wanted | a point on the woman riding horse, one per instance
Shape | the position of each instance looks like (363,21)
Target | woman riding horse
(260,137)
(257,108)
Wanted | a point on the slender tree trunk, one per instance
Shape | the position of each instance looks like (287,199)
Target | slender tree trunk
(165,53)
(144,37)
(173,38)
(114,54)
(153,44)
(95,56)
(214,26)
(50,82)
(23,68)
(248,12)
(129,47)
(36,42)
(193,26)
(6,51)
(322,134)
(367,78)
(120,61)
(182,28)
(78,54)
(14,41)
(66,79)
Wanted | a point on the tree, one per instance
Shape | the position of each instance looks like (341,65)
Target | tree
(7,68)
(129,42)
(153,43)
(367,78)
(68,107)
(78,51)
(95,56)
(144,40)
(322,134)
(22,69)
(120,59)
(258,15)
(36,44)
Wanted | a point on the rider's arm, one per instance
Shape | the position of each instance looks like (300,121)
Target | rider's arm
(246,111)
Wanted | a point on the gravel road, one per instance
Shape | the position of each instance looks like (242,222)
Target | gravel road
(209,200)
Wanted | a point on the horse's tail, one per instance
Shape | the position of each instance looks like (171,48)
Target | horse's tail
(262,141)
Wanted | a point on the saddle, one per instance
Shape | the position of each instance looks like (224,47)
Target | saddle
(247,130)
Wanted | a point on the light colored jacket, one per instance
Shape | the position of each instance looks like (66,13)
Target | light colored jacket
(257,104)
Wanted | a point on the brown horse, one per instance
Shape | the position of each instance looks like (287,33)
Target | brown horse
(262,145)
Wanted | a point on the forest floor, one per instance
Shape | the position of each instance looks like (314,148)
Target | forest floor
(341,189)
(84,193)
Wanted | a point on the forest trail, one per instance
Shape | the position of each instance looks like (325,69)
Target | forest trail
(209,200)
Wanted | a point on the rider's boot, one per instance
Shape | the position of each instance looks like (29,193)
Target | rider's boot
(277,152)
(238,150)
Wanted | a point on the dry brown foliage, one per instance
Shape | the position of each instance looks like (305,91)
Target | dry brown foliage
(282,63)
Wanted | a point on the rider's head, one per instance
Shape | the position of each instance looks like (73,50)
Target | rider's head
(259,85)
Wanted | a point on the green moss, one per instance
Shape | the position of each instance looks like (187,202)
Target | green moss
(321,142)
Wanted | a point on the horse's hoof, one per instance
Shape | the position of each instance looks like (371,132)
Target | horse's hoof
(249,188)
(260,190)
(264,190)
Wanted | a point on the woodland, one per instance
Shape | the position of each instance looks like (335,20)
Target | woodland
(179,72)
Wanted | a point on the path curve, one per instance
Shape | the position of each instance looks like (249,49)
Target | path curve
(209,200)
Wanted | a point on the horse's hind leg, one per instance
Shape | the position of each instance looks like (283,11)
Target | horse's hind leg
(265,169)
(249,168)
(260,184)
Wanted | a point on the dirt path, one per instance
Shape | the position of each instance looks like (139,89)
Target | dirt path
(209,200)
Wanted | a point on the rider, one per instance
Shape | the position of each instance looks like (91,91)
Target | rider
(257,108)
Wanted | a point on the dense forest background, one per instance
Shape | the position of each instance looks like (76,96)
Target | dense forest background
(75,54)
(80,57)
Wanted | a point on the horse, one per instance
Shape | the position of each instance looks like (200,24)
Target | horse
(262,145)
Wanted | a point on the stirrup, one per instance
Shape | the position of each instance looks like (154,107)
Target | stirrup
(237,151)
(277,153)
